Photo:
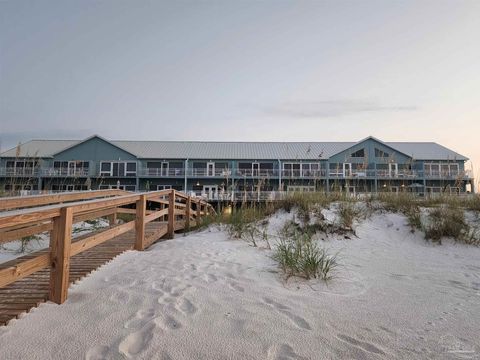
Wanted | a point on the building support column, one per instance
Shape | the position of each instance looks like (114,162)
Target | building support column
(327,178)
(186,177)
(279,175)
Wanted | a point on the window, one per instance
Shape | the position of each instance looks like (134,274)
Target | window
(310,169)
(381,154)
(441,169)
(131,169)
(291,169)
(454,169)
(121,187)
(72,168)
(106,168)
(118,168)
(21,167)
(358,154)
(164,187)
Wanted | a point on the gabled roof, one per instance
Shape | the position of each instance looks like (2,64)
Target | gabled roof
(380,142)
(113,143)
(234,150)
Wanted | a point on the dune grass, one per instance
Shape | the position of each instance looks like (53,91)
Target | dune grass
(299,255)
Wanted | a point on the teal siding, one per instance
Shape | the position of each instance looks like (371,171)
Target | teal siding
(96,150)
(369,146)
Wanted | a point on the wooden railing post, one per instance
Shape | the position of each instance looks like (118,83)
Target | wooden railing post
(112,219)
(187,213)
(60,244)
(199,210)
(141,209)
(171,214)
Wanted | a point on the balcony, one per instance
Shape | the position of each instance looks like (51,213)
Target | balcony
(65,172)
(261,173)
(162,172)
(449,175)
(240,195)
(20,172)
(306,174)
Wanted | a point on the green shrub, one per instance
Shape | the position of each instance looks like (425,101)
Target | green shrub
(299,255)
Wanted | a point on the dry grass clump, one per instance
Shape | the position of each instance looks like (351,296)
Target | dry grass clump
(348,213)
(473,203)
(305,201)
(446,221)
(241,221)
(402,202)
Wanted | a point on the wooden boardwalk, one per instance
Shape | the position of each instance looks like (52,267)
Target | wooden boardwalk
(22,295)
(27,289)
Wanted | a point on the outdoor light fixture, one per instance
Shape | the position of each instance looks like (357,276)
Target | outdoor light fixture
(198,183)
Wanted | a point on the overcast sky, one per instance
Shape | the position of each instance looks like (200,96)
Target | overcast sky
(242,70)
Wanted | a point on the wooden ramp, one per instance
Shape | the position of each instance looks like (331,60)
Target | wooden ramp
(26,282)
(22,295)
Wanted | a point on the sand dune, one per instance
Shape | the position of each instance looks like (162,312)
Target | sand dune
(205,296)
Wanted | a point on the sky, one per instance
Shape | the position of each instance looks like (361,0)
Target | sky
(242,71)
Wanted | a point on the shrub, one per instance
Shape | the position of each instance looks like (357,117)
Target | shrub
(348,213)
(402,202)
(306,201)
(473,203)
(298,255)
(414,217)
(446,222)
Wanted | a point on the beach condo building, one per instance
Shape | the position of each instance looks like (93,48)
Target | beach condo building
(234,170)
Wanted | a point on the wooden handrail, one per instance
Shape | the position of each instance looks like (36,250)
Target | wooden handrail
(17,202)
(59,218)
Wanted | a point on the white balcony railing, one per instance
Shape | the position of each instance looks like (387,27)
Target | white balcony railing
(19,171)
(66,172)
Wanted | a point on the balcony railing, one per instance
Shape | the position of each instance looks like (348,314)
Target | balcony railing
(240,195)
(159,172)
(304,173)
(66,172)
(249,173)
(19,171)
(256,173)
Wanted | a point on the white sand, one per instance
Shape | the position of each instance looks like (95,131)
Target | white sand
(13,249)
(204,296)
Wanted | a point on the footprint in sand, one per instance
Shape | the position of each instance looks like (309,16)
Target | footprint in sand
(283,352)
(98,352)
(185,306)
(120,296)
(366,346)
(167,322)
(141,318)
(234,286)
(285,310)
(209,278)
(137,341)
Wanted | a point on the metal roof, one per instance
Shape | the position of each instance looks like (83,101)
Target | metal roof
(235,150)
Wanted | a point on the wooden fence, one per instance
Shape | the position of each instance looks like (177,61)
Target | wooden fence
(169,209)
